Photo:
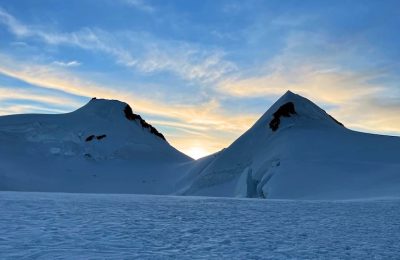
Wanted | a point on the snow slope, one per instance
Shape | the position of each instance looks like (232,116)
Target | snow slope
(294,151)
(301,152)
(101,147)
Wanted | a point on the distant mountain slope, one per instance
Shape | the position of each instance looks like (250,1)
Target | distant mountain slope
(101,147)
(297,151)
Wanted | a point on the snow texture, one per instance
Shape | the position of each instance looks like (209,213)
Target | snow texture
(94,226)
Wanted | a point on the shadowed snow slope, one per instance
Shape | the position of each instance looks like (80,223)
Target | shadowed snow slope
(296,150)
(97,148)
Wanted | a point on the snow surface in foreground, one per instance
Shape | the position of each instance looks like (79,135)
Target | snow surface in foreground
(87,226)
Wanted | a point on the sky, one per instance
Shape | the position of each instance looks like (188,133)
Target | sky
(202,72)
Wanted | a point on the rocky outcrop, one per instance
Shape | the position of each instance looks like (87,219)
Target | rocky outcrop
(99,137)
(135,117)
(92,137)
(337,122)
(286,110)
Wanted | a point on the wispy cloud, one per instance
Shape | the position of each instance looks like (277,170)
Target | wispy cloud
(86,38)
(348,96)
(10,109)
(372,114)
(188,63)
(13,24)
(201,119)
(19,44)
(7,92)
(311,66)
(141,5)
(139,51)
(9,96)
(244,61)
(328,86)
(72,63)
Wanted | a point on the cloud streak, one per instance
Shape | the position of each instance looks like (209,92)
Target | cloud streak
(139,51)
(56,104)
(350,97)
(313,67)
(214,72)
(328,86)
(72,63)
(141,5)
(13,24)
(197,120)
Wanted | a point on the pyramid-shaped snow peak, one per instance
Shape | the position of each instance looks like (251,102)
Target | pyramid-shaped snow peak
(300,109)
(297,151)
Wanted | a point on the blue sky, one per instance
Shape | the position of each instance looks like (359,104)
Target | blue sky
(203,71)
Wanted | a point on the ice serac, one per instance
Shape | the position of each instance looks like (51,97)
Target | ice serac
(97,148)
(298,151)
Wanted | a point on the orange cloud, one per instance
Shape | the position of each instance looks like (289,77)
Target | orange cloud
(195,120)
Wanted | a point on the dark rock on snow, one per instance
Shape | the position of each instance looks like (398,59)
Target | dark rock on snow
(89,138)
(286,110)
(99,137)
(133,117)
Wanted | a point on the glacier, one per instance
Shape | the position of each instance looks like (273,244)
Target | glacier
(126,226)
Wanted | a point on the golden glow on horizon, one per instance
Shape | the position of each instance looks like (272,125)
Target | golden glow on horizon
(202,93)
(205,125)
(205,128)
(196,152)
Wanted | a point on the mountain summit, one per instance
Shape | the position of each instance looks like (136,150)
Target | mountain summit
(294,151)
(112,110)
(297,150)
(101,147)
(292,108)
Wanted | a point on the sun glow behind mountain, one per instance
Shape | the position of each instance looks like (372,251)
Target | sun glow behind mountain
(197,152)
(206,81)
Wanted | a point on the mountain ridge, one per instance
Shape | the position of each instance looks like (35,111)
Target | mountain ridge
(295,150)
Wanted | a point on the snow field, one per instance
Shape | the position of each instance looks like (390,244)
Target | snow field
(89,226)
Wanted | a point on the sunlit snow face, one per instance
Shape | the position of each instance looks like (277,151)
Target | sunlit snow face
(197,152)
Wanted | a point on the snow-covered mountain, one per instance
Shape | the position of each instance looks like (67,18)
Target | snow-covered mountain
(297,151)
(294,151)
(101,147)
